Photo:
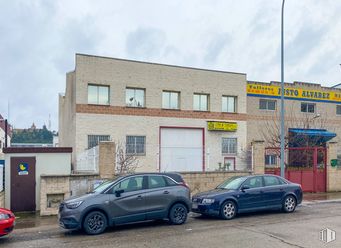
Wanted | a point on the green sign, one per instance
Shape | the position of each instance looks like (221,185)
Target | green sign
(334,162)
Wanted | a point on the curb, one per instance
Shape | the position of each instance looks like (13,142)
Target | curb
(320,201)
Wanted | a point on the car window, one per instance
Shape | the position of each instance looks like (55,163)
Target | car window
(129,184)
(271,181)
(254,182)
(169,181)
(156,182)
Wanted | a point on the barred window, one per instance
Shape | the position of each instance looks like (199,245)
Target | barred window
(229,145)
(136,145)
(93,140)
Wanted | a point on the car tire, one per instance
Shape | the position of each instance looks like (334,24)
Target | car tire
(95,223)
(289,204)
(178,214)
(228,210)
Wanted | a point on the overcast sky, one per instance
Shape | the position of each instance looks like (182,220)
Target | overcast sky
(39,39)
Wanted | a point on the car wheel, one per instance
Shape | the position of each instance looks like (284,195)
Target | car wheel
(95,223)
(228,210)
(289,204)
(178,214)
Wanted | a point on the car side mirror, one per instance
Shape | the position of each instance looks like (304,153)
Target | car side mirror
(245,187)
(119,192)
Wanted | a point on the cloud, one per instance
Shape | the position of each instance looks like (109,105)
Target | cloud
(39,40)
(145,43)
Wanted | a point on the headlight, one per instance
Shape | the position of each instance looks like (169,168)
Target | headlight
(207,201)
(4,216)
(73,205)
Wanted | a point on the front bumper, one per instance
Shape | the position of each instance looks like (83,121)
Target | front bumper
(69,218)
(211,209)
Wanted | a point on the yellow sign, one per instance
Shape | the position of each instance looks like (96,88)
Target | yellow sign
(293,93)
(221,126)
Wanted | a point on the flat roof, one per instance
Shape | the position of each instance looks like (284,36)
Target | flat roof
(153,63)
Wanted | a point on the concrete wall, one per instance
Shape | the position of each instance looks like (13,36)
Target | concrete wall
(2,199)
(46,164)
(199,182)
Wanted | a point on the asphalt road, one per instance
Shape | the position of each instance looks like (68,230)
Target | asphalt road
(270,229)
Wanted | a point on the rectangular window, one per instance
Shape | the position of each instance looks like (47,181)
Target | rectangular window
(229,104)
(98,94)
(229,145)
(338,109)
(135,97)
(267,104)
(170,100)
(200,102)
(93,140)
(270,159)
(307,107)
(136,145)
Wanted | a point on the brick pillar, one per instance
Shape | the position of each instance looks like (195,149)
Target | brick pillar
(107,160)
(258,158)
(333,173)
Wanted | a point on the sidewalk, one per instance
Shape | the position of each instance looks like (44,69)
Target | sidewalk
(321,197)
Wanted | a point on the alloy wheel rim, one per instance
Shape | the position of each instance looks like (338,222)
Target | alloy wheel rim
(229,210)
(96,223)
(290,204)
(179,214)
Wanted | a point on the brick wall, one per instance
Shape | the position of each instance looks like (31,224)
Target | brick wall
(107,159)
(2,199)
(199,182)
(333,173)
(57,188)
(52,185)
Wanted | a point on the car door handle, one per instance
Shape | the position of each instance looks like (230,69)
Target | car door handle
(166,192)
(261,191)
(139,197)
(281,189)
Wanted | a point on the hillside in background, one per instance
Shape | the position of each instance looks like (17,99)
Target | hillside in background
(32,135)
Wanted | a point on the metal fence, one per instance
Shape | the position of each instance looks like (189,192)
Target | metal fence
(88,161)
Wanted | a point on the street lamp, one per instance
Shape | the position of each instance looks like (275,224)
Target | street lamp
(282,94)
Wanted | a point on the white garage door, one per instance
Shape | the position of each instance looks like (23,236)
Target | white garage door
(181,149)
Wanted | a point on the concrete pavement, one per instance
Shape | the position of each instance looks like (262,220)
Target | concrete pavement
(267,229)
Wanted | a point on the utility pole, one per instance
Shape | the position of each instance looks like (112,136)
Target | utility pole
(282,94)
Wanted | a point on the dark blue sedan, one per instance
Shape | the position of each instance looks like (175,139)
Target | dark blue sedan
(247,194)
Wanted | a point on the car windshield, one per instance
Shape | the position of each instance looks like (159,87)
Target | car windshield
(102,187)
(231,183)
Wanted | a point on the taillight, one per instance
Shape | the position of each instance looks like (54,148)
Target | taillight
(184,184)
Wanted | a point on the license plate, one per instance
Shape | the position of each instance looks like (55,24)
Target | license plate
(194,205)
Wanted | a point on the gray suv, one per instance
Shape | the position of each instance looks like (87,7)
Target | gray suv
(132,198)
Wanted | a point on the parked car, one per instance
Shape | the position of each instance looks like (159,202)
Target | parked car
(132,198)
(246,194)
(7,221)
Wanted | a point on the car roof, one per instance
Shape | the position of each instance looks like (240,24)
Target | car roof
(174,175)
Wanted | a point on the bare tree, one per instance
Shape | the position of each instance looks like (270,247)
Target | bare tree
(270,132)
(126,163)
